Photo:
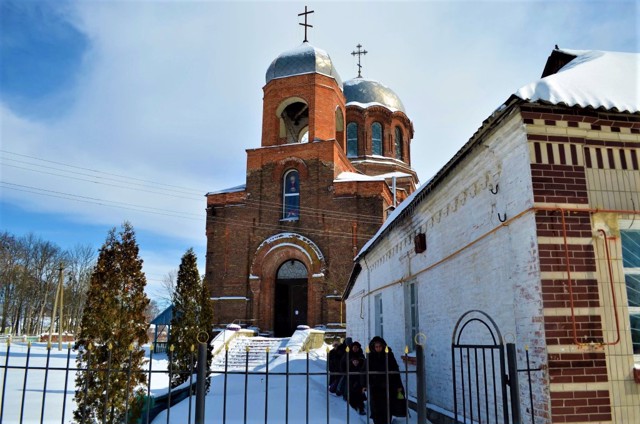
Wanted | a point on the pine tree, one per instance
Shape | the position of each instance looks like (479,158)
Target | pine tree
(113,331)
(192,319)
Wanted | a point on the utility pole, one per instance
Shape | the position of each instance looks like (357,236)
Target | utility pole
(59,294)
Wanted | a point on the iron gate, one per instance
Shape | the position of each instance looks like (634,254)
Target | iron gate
(485,375)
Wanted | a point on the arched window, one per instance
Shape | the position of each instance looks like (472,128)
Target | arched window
(352,139)
(376,138)
(398,143)
(291,195)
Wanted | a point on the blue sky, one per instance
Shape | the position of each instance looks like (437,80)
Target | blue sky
(133,110)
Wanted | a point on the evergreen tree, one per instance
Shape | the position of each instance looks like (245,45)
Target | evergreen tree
(192,319)
(113,331)
(206,323)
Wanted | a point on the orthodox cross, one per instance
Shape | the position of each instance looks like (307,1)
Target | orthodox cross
(305,24)
(359,53)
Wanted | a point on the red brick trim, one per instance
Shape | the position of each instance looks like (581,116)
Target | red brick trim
(553,258)
(577,224)
(580,406)
(586,367)
(559,329)
(559,183)
(555,294)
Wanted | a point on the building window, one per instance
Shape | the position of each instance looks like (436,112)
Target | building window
(376,138)
(291,195)
(352,139)
(377,300)
(398,143)
(411,314)
(631,262)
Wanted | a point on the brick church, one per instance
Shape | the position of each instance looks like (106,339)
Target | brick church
(333,162)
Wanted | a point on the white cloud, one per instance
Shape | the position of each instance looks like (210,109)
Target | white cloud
(172,91)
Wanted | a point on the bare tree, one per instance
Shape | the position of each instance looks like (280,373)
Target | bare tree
(164,295)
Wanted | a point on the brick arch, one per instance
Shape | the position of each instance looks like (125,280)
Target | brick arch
(290,163)
(268,258)
(288,246)
(289,101)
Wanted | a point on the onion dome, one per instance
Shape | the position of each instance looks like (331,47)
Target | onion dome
(365,93)
(304,59)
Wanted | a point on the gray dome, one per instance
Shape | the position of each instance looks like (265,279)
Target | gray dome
(304,59)
(365,92)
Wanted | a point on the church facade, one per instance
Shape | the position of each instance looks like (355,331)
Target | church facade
(334,160)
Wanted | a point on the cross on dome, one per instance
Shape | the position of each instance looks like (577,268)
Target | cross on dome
(359,53)
(305,24)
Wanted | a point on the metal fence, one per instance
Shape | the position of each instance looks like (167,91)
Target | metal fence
(288,392)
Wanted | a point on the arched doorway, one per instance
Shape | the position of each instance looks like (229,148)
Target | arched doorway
(290,303)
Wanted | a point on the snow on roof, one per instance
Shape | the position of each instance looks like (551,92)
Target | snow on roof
(396,174)
(353,176)
(597,79)
(367,105)
(230,190)
(593,79)
(390,219)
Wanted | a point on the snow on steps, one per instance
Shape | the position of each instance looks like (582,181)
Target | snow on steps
(238,340)
(253,349)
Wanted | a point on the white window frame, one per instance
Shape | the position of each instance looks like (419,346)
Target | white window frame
(630,226)
(379,316)
(412,314)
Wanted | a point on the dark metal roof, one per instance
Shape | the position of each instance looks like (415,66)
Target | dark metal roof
(366,91)
(304,59)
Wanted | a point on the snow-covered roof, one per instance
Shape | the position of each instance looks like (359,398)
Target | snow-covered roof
(597,79)
(230,190)
(354,176)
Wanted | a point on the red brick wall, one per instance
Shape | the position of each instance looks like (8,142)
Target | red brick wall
(580,406)
(559,183)
(328,215)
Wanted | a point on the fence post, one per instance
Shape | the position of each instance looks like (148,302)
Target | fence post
(201,385)
(420,385)
(514,386)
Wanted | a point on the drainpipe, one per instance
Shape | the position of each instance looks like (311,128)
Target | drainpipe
(613,293)
(395,197)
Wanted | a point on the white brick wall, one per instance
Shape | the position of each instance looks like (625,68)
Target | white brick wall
(499,274)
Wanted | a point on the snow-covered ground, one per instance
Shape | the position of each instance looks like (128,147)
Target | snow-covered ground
(306,400)
(60,384)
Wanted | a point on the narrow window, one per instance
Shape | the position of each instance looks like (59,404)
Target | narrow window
(378,311)
(291,196)
(398,143)
(376,138)
(352,139)
(631,263)
(411,314)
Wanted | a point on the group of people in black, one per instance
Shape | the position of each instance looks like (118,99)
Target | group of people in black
(375,376)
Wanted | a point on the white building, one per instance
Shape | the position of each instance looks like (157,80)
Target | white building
(536,223)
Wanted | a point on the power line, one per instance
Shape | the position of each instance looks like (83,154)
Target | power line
(372,219)
(173,214)
(95,201)
(101,183)
(103,172)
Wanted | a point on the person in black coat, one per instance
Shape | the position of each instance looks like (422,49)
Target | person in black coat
(335,362)
(383,368)
(353,365)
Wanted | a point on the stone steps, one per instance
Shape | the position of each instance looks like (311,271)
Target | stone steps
(257,348)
